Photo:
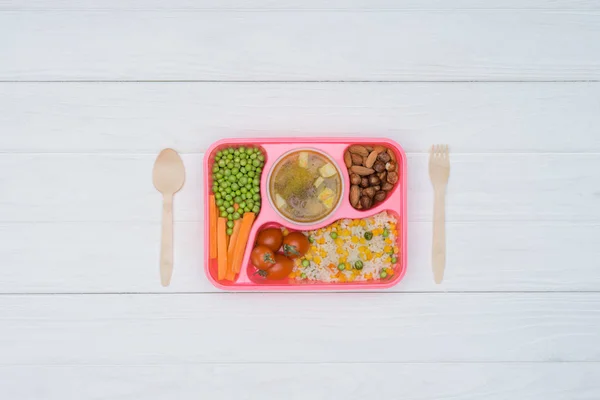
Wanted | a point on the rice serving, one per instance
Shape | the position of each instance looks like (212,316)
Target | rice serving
(350,250)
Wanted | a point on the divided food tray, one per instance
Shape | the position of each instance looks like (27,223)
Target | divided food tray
(273,149)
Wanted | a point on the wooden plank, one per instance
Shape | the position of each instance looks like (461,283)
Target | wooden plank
(134,117)
(67,257)
(118,187)
(423,45)
(300,328)
(524,381)
(330,5)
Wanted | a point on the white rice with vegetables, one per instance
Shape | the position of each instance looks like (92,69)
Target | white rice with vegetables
(351,250)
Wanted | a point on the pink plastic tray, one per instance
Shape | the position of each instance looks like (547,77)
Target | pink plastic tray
(273,148)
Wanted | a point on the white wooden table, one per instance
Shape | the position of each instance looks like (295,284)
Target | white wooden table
(91,90)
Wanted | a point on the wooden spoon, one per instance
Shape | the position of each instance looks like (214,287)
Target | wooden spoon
(168,176)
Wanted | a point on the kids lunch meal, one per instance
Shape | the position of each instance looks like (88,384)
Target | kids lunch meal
(305,213)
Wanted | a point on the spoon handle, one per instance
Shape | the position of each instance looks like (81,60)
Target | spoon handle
(166,247)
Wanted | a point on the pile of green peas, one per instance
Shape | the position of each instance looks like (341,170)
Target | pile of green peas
(236,180)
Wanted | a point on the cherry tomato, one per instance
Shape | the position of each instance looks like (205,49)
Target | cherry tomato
(262,257)
(280,270)
(271,237)
(295,245)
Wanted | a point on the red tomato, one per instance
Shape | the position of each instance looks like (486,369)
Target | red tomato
(295,245)
(280,270)
(262,257)
(271,237)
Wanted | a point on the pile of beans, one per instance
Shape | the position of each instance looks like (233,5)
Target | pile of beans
(236,182)
(373,173)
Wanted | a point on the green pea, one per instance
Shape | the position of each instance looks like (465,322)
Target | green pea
(224,214)
(383,274)
(234,186)
(256,197)
(256,189)
(251,174)
(219,154)
(369,235)
(235,171)
(255,163)
(238,193)
(247,209)
(243,170)
(386,232)
(222,163)
(261,157)
(253,156)
(228,190)
(248,195)
(228,197)
(358,265)
(333,235)
(230,217)
(215,188)
(256,182)
(219,176)
(223,184)
(242,204)
(243,190)
(227,204)
(255,209)
(236,215)
(243,181)
(222,208)
(305,263)
(243,162)
(232,178)
(230,209)
(215,168)
(394,260)
(341,266)
(311,239)
(242,149)
(227,172)
(237,199)
(303,276)
(230,224)
(219,202)
(217,195)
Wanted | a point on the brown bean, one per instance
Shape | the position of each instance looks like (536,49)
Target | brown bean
(390,166)
(347,159)
(387,186)
(379,166)
(371,159)
(364,182)
(354,195)
(384,157)
(366,202)
(377,188)
(379,149)
(358,149)
(354,179)
(392,177)
(374,180)
(380,196)
(369,192)
(362,171)
(382,175)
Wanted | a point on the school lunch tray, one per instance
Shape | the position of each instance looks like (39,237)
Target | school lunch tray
(273,149)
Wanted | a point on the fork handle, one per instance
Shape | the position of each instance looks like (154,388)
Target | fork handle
(438,256)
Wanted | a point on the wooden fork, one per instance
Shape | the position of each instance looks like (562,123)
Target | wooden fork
(439,170)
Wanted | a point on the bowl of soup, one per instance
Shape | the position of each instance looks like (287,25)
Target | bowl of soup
(305,186)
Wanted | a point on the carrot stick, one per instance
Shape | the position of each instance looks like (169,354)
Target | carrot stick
(232,240)
(242,240)
(222,247)
(212,220)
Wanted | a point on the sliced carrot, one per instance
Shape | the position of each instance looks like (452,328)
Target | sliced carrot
(212,220)
(232,240)
(222,247)
(242,240)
